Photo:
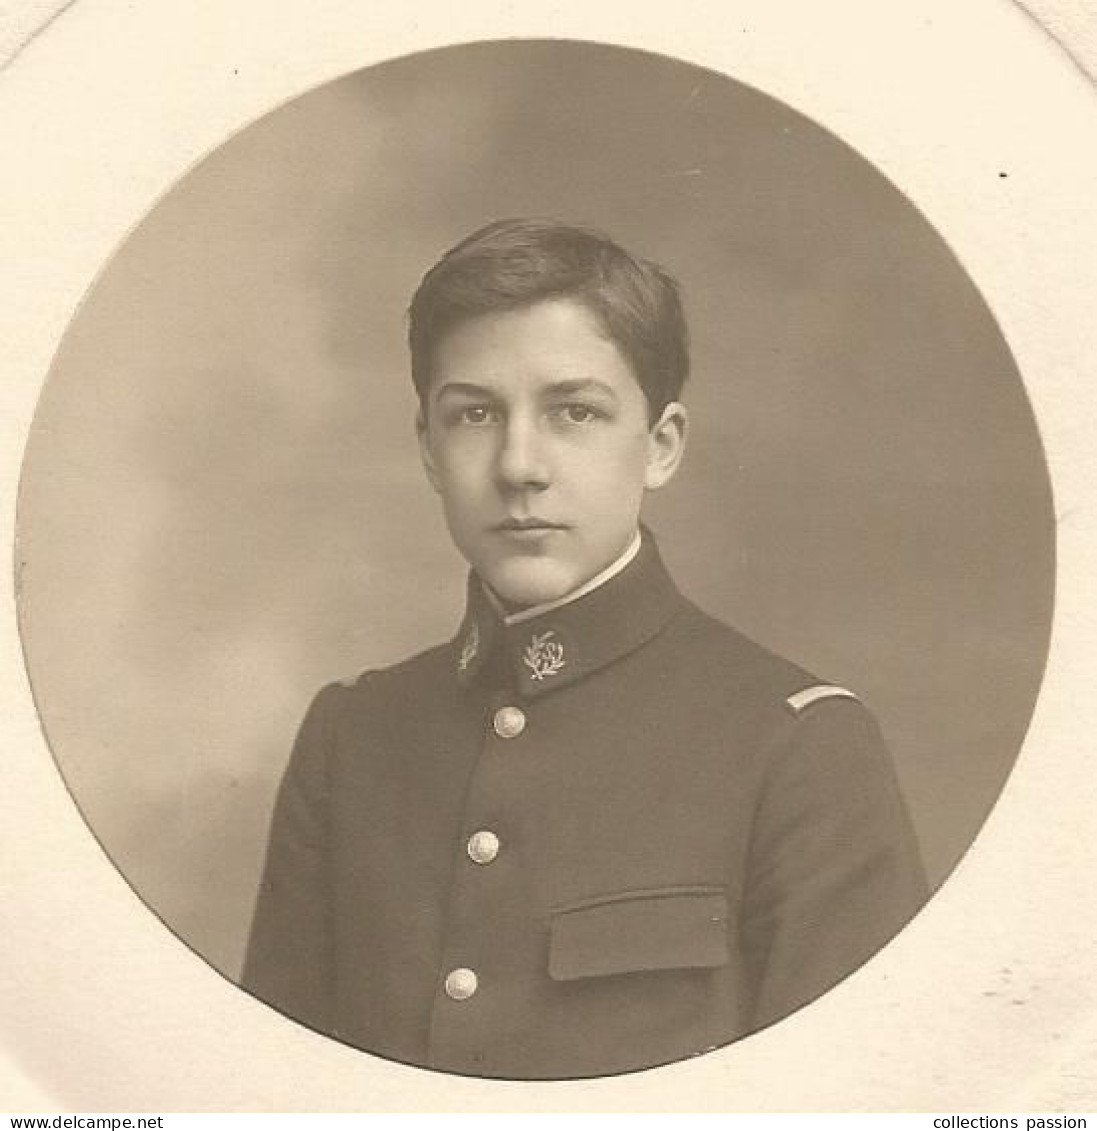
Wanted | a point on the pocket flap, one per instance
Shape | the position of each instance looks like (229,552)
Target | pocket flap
(664,929)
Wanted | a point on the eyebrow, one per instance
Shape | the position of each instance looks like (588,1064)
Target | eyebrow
(460,388)
(556,389)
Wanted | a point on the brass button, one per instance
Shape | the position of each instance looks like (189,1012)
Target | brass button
(483,847)
(461,983)
(509,722)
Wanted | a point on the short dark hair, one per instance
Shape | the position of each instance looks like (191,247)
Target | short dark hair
(511,264)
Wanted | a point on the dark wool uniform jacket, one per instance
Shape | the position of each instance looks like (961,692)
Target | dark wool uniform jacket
(606,838)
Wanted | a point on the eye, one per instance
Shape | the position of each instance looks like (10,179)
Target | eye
(578,413)
(474,414)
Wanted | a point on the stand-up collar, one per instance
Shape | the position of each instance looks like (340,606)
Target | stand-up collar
(574,639)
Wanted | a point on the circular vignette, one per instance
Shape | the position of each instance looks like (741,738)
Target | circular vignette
(236,376)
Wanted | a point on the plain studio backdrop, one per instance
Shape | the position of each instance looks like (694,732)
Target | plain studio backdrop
(222,506)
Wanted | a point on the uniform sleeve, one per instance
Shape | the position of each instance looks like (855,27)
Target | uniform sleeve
(834,867)
(289,955)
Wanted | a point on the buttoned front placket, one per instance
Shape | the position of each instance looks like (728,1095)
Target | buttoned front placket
(476,980)
(492,976)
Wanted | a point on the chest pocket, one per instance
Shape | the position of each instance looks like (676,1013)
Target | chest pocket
(656,929)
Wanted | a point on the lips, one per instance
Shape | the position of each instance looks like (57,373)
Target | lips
(530,533)
(514,525)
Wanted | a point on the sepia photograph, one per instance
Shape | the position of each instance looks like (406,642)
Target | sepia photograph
(662,587)
(536,560)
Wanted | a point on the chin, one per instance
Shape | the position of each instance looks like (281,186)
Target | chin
(523,583)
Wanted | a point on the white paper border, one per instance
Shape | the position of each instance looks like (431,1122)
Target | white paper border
(987,1002)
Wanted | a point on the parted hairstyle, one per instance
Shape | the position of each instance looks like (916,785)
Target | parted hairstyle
(511,264)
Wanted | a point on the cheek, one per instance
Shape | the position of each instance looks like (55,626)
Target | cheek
(463,481)
(621,468)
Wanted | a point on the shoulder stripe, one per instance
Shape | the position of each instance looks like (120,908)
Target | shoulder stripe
(354,680)
(804,699)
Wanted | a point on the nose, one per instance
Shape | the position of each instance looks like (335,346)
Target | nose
(523,462)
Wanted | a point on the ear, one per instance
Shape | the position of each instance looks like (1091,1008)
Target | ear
(422,434)
(666,445)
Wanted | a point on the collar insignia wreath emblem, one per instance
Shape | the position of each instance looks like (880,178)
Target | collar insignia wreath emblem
(543,655)
(470,647)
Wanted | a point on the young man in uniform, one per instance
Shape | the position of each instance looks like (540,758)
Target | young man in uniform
(599,830)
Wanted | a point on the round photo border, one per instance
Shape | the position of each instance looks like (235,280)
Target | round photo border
(95,1027)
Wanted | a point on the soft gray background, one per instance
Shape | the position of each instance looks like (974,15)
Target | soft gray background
(222,506)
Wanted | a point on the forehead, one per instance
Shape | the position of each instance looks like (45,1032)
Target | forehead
(550,341)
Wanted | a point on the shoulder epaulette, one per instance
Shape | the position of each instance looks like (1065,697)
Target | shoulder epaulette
(803,699)
(354,680)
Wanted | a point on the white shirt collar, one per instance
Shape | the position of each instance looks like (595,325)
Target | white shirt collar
(611,571)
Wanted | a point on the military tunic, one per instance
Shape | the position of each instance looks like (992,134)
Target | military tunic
(612,836)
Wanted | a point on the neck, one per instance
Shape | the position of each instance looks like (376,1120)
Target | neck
(511,615)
